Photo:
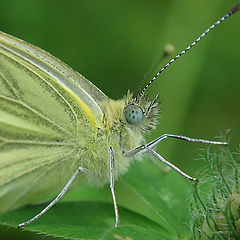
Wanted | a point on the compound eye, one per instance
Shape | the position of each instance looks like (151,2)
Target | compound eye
(134,114)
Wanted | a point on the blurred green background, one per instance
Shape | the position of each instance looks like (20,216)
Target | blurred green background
(114,43)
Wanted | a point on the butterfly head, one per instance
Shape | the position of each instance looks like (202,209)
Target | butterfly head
(141,113)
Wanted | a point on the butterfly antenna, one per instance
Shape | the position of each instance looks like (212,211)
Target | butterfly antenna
(168,50)
(227,15)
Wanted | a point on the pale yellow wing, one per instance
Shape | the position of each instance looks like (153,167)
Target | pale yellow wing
(66,76)
(47,112)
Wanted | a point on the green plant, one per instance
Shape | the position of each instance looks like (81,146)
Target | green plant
(216,205)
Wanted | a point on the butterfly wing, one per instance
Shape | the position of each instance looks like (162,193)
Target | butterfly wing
(47,111)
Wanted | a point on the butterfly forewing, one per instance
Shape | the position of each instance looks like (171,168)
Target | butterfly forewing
(43,123)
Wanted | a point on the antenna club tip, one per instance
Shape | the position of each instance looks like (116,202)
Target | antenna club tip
(169,49)
(197,180)
(236,8)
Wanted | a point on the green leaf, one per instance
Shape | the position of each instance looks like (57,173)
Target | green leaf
(87,220)
(152,205)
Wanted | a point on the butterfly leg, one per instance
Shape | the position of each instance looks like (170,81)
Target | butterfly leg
(188,139)
(166,169)
(111,166)
(60,195)
(149,148)
(162,159)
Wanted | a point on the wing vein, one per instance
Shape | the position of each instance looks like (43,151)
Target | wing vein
(33,169)
(10,86)
(29,187)
(17,141)
(31,63)
(35,112)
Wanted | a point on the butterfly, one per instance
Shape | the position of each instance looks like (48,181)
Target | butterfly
(56,125)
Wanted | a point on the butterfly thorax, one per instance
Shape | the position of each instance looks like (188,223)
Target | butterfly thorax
(124,125)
